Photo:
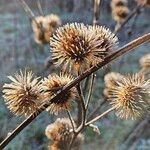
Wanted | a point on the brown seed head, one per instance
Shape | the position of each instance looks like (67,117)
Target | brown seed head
(54,84)
(131,96)
(23,94)
(120,13)
(44,27)
(117,3)
(60,132)
(77,46)
(145,61)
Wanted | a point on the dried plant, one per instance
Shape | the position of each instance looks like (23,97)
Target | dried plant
(23,94)
(120,10)
(145,61)
(81,49)
(130,97)
(61,132)
(78,46)
(44,26)
(145,65)
(118,3)
(52,85)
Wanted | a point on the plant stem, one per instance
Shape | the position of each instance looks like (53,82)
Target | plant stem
(40,8)
(71,120)
(90,91)
(123,50)
(100,116)
(128,18)
(96,11)
(81,98)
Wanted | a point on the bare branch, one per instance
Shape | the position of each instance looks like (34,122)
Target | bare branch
(100,116)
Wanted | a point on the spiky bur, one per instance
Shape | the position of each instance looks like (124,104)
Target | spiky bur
(52,85)
(131,96)
(145,65)
(111,79)
(60,133)
(117,3)
(144,2)
(120,13)
(77,47)
(23,94)
(44,26)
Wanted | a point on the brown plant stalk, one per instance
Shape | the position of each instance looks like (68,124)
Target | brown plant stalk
(132,14)
(128,47)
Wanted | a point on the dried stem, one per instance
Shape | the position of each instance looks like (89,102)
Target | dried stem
(96,11)
(82,102)
(40,8)
(90,91)
(136,131)
(135,11)
(100,116)
(27,9)
(128,47)
(71,120)
(30,13)
(96,110)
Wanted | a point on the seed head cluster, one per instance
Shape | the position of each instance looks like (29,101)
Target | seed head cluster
(130,97)
(54,84)
(60,133)
(23,94)
(120,10)
(44,27)
(76,46)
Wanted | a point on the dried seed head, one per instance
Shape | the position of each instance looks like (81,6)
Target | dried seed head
(54,84)
(120,13)
(22,95)
(44,27)
(52,20)
(77,46)
(60,132)
(144,2)
(111,79)
(131,96)
(145,61)
(117,3)
(145,64)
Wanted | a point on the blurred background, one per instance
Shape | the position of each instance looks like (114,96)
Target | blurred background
(18,50)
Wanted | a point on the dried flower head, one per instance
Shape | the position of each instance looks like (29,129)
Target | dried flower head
(144,2)
(44,27)
(130,97)
(22,95)
(145,61)
(111,79)
(52,85)
(52,20)
(145,64)
(117,3)
(120,13)
(77,46)
(37,26)
(60,132)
